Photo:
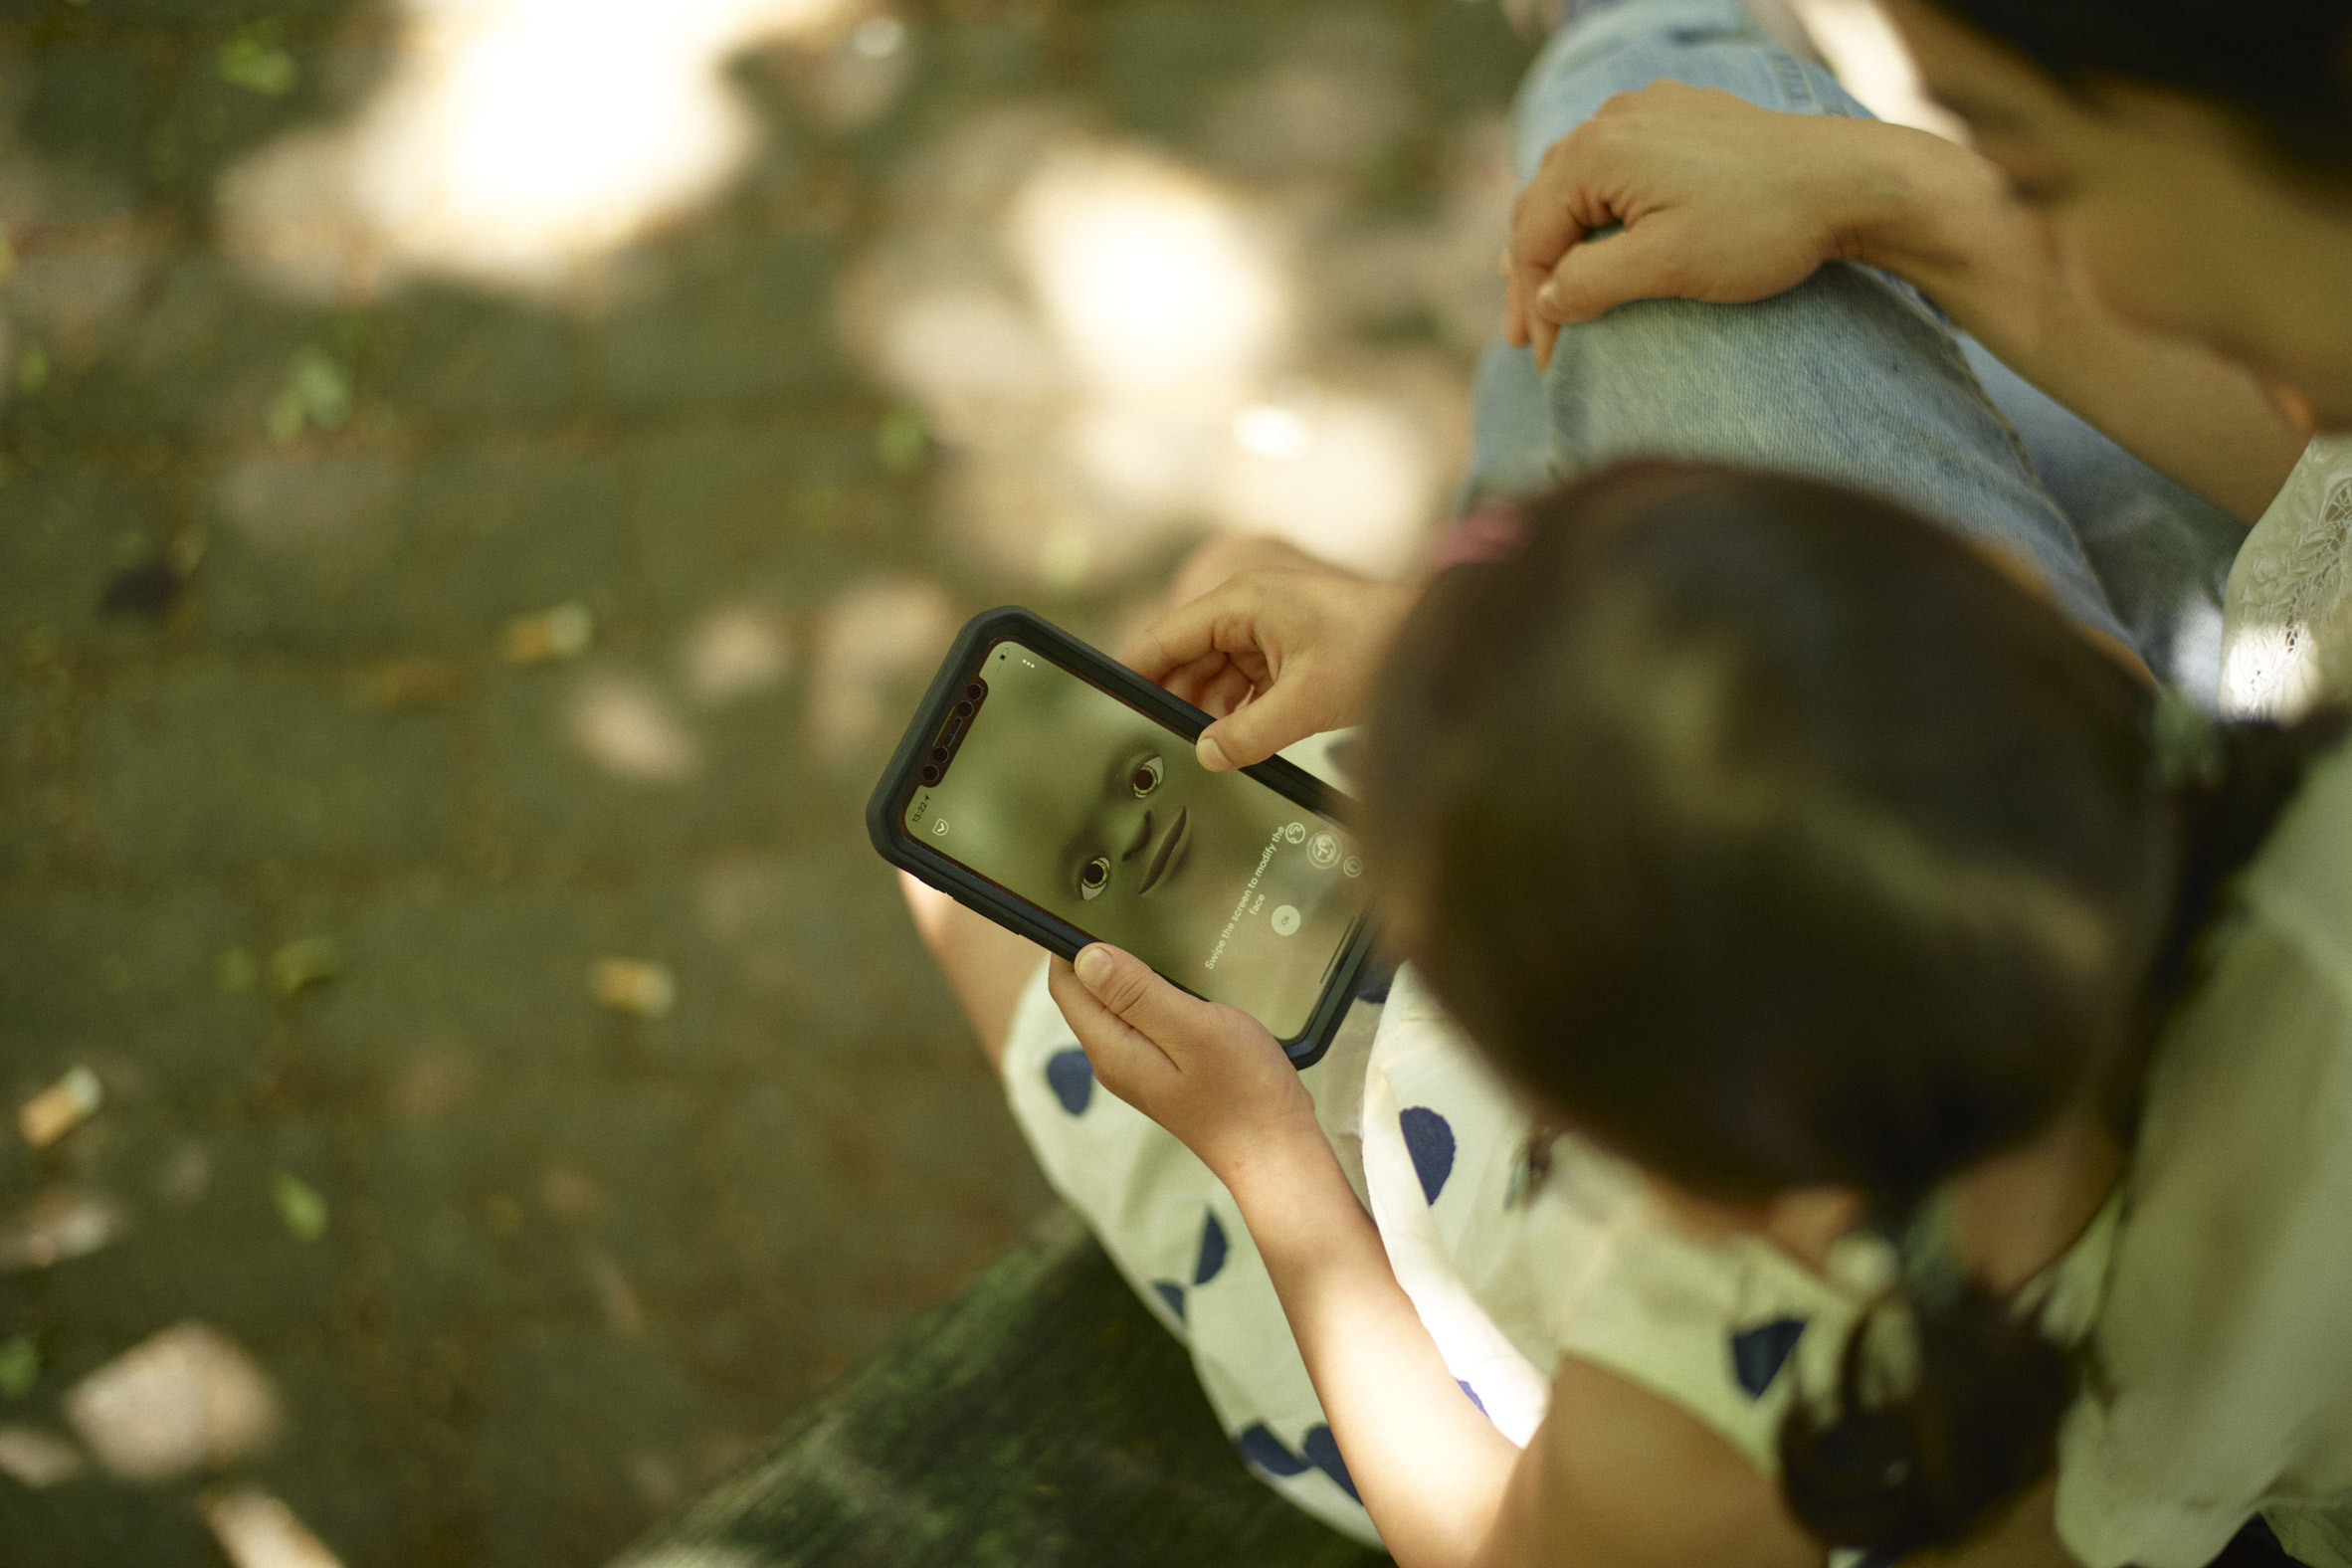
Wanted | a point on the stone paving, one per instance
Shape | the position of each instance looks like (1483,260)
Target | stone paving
(312,868)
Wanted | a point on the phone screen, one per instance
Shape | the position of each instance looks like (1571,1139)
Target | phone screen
(1068,798)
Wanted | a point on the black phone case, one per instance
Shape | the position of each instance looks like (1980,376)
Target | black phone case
(967,887)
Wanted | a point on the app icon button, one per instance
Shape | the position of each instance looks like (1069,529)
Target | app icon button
(1285,921)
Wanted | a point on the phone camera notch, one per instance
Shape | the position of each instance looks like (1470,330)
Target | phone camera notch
(952,734)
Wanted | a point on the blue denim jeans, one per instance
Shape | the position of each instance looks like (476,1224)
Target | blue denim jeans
(1852,377)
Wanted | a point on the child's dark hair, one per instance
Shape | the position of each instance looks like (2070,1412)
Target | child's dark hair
(1772,837)
(2284,68)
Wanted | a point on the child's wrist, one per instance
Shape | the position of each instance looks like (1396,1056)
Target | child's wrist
(1278,1167)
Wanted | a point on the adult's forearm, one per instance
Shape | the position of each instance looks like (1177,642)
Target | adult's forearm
(1432,1470)
(1942,217)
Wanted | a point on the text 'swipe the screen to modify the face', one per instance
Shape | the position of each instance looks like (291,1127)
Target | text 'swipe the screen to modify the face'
(1076,802)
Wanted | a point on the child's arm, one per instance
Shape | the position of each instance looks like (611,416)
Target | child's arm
(1617,1476)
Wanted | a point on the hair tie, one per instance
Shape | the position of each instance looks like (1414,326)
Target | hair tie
(1495,530)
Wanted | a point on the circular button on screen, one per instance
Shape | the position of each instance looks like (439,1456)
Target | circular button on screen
(1285,921)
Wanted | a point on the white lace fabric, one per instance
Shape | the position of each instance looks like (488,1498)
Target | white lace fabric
(2287,619)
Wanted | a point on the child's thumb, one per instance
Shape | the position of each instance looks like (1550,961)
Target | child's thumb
(1254,731)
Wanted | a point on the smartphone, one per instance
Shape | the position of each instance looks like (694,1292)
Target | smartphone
(1056,791)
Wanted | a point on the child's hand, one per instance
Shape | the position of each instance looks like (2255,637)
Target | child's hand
(1208,1072)
(1278,655)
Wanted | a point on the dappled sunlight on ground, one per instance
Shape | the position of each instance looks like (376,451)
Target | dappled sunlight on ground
(1121,348)
(517,142)
(626,726)
(733,652)
(484,485)
(871,643)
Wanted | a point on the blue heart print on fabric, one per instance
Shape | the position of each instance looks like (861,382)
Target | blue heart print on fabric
(1473,1396)
(1172,1294)
(1757,1354)
(1072,1078)
(1271,1454)
(1267,1452)
(1431,1143)
(1322,1452)
(1212,1256)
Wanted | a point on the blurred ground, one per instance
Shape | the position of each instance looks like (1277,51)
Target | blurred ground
(310,847)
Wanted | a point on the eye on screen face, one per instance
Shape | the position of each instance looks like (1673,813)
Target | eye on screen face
(1067,797)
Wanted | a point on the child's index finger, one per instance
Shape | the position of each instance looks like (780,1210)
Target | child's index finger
(1181,637)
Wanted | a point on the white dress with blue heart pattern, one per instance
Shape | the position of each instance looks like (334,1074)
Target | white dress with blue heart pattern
(1509,1271)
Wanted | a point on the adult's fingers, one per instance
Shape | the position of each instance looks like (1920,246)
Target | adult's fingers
(1543,335)
(1640,263)
(1545,221)
(1548,221)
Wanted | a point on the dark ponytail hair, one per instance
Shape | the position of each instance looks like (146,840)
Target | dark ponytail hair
(1772,837)
(2282,68)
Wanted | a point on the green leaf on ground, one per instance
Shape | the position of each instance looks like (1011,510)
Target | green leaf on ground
(20,1366)
(253,61)
(304,962)
(300,1206)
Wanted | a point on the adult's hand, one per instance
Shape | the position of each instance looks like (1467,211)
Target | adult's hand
(1277,656)
(1720,201)
(1208,1072)
(1725,202)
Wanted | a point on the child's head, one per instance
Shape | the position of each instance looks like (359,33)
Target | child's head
(2193,158)
(1769,835)
(1778,841)
(1786,845)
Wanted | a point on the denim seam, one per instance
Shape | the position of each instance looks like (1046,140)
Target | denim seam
(1795,83)
(1948,345)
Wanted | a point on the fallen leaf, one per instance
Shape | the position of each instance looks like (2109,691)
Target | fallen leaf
(20,1366)
(633,986)
(300,1206)
(563,632)
(61,1108)
(304,962)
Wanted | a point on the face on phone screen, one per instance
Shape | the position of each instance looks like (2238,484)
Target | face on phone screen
(1067,797)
